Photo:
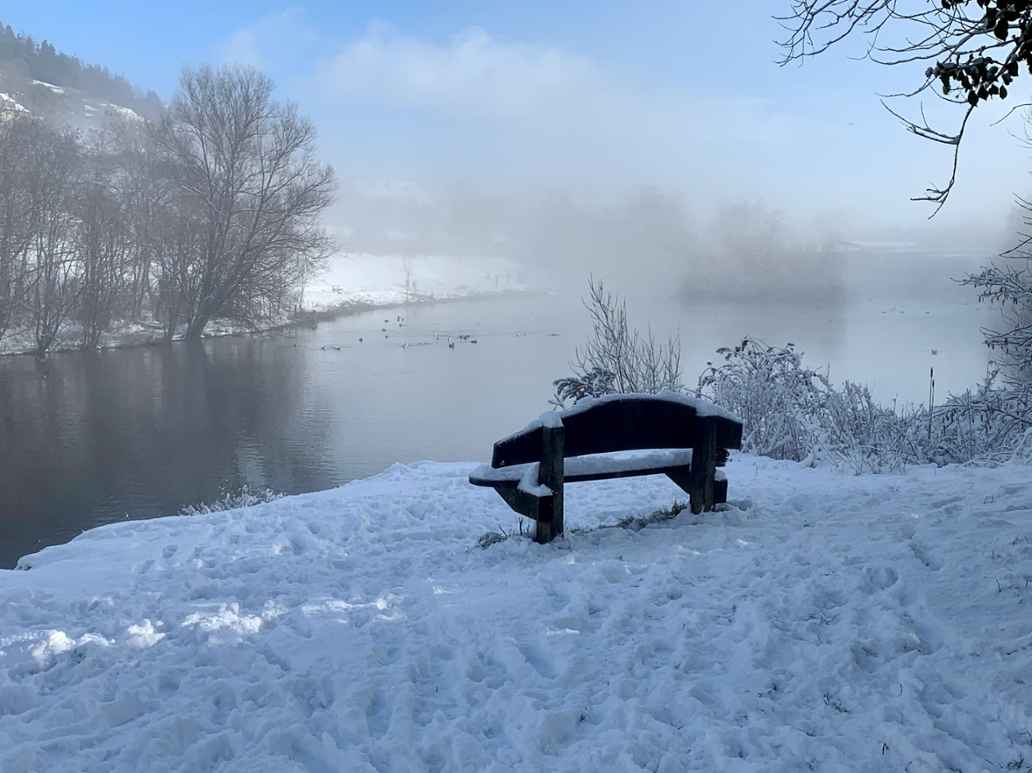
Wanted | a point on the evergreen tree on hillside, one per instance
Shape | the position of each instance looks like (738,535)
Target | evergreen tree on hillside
(43,62)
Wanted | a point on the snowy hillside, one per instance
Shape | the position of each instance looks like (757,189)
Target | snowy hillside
(822,622)
(59,105)
(10,104)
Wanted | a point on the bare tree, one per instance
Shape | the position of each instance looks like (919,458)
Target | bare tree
(965,52)
(139,189)
(102,243)
(246,166)
(213,212)
(54,160)
(1002,404)
(16,213)
(617,357)
(1008,285)
(179,245)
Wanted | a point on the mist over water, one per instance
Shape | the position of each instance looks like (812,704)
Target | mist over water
(142,432)
(772,204)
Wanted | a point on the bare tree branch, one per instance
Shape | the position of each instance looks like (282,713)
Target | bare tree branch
(974,48)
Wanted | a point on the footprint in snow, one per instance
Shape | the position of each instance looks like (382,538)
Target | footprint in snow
(536,659)
(921,554)
(483,668)
(949,505)
(878,578)
(378,716)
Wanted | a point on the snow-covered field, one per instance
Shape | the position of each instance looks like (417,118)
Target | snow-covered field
(821,622)
(389,279)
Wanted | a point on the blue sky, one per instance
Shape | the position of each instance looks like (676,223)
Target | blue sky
(153,40)
(594,97)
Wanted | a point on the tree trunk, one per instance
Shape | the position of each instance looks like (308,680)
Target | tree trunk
(196,328)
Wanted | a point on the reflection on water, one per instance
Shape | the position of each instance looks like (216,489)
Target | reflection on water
(94,437)
(87,439)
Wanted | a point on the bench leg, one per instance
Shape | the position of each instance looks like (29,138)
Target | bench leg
(545,529)
(550,473)
(703,470)
(719,492)
(541,510)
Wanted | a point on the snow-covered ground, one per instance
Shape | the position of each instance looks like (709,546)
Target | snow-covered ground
(123,112)
(820,622)
(9,103)
(49,86)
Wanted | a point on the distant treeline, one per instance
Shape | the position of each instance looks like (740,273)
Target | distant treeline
(211,212)
(26,59)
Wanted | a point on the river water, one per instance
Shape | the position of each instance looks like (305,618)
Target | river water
(91,438)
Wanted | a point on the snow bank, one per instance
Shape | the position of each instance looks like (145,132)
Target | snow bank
(50,86)
(821,622)
(390,279)
(122,333)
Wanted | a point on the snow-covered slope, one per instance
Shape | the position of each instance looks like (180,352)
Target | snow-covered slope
(822,622)
(60,105)
(10,104)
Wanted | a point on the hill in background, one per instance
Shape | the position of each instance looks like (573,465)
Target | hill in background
(60,88)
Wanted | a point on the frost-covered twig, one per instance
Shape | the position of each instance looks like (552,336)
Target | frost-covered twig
(232,500)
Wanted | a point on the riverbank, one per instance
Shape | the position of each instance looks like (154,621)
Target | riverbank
(129,335)
(822,621)
(349,284)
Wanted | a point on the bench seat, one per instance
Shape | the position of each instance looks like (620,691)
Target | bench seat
(579,469)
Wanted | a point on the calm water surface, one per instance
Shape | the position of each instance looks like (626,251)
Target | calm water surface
(87,439)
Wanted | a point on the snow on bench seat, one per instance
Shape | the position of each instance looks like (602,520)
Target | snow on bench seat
(618,464)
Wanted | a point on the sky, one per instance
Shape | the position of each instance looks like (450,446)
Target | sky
(465,110)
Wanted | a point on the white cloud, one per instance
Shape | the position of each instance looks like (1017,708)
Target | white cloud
(243,48)
(501,116)
(541,114)
(472,72)
(271,41)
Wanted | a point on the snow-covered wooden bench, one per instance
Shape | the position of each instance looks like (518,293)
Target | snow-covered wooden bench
(617,436)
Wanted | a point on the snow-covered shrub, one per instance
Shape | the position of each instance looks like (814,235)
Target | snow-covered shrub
(1023,448)
(794,412)
(594,383)
(790,411)
(233,499)
(1003,405)
(990,421)
(777,398)
(617,357)
(863,435)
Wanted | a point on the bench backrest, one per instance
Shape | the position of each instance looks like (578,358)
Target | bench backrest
(623,423)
